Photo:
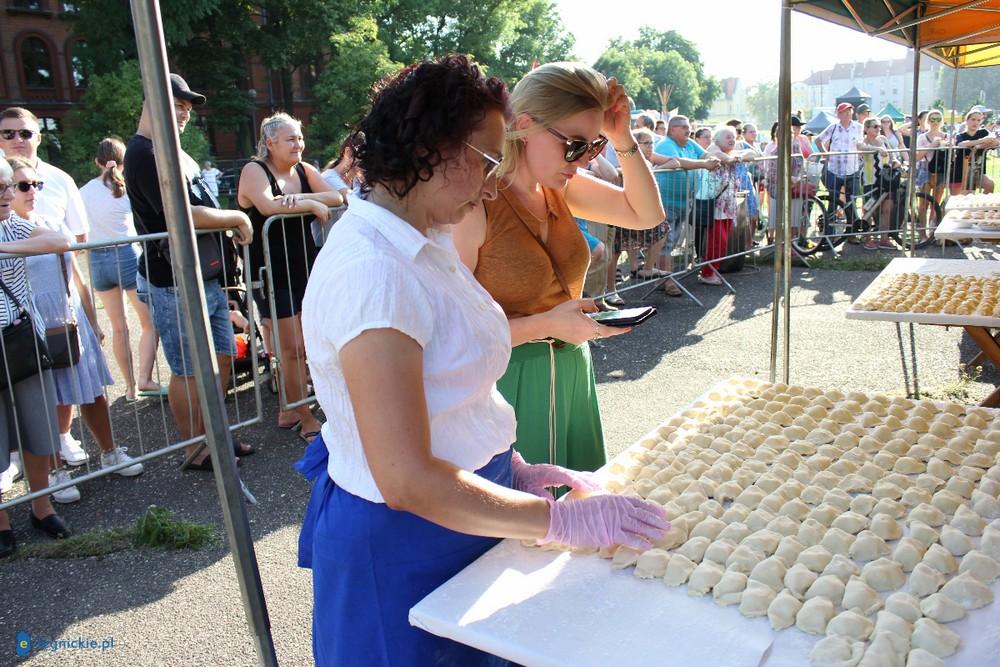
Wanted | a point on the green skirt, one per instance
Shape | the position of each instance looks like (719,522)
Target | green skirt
(571,434)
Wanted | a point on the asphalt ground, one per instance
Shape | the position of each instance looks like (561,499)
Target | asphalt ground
(184,607)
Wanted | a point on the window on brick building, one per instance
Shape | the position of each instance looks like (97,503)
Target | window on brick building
(36,63)
(35,5)
(78,66)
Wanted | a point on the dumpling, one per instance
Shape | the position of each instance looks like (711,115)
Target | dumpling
(968,521)
(886,621)
(719,551)
(836,651)
(955,541)
(923,533)
(850,624)
(837,541)
(704,577)
(843,568)
(678,570)
(893,508)
(789,549)
(710,528)
(968,591)
(887,649)
(811,532)
(730,588)
(934,638)
(765,541)
(990,544)
(980,566)
(625,557)
(886,527)
(863,504)
(814,616)
(652,564)
(947,501)
(783,610)
(756,599)
(815,558)
(860,596)
(918,657)
(941,608)
(694,548)
(735,532)
(868,546)
(829,587)
(904,605)
(939,558)
(928,514)
(925,580)
(770,572)
(883,574)
(744,559)
(798,579)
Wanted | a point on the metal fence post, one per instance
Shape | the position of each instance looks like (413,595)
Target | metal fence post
(153,61)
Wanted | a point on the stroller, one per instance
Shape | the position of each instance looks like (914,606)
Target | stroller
(239,316)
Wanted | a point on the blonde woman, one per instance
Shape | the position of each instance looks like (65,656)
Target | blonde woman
(525,249)
(277,181)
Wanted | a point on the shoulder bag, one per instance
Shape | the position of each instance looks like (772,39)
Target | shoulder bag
(63,341)
(24,353)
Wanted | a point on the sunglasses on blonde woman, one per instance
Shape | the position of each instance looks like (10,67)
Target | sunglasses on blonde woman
(577,148)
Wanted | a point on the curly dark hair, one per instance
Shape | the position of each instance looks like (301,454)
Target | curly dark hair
(426,108)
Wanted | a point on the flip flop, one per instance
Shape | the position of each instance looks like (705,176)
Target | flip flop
(162,391)
(309,436)
(292,427)
(205,465)
(243,449)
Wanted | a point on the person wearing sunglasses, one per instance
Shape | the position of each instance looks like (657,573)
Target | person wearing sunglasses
(931,149)
(414,476)
(526,250)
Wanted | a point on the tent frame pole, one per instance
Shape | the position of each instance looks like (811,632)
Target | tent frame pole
(783,221)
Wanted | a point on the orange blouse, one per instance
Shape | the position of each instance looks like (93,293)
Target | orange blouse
(513,266)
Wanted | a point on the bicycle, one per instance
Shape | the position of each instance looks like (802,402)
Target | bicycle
(822,207)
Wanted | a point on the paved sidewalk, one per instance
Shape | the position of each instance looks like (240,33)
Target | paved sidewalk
(184,608)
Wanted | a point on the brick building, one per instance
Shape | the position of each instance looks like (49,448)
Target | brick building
(39,71)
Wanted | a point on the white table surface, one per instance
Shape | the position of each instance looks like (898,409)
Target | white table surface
(963,267)
(952,229)
(546,608)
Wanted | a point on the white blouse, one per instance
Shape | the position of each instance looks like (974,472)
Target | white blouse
(110,216)
(376,271)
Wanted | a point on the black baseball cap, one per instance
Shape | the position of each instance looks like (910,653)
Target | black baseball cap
(863,108)
(796,121)
(183,92)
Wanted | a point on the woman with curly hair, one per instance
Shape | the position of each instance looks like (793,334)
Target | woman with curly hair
(414,474)
(526,250)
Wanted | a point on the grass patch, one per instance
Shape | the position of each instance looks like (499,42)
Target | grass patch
(157,528)
(872,263)
(957,391)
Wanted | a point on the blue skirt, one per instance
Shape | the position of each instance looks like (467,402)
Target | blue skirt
(371,564)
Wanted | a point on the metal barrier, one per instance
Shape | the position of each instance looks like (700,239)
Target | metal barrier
(240,415)
(291,270)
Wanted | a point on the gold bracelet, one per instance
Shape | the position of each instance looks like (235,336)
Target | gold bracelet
(629,153)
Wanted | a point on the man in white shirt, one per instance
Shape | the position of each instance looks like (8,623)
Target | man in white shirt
(59,201)
(210,176)
(842,170)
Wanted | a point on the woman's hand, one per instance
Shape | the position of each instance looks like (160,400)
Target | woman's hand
(568,322)
(617,117)
(320,210)
(289,201)
(537,478)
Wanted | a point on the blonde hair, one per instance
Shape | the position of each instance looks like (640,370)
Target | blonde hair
(549,94)
(269,130)
(5,169)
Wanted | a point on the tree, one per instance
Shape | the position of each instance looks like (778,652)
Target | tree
(660,70)
(111,107)
(538,35)
(976,85)
(762,102)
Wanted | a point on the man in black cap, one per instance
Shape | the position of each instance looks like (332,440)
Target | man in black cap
(156,273)
(863,112)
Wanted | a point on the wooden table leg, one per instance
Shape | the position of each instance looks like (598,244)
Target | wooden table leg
(991,348)
(981,356)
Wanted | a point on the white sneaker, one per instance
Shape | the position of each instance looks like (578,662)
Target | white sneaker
(71,450)
(70,494)
(11,474)
(118,455)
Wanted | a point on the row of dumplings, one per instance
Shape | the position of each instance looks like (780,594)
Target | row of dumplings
(978,214)
(942,294)
(979,199)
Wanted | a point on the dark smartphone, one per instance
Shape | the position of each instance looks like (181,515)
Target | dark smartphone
(628,317)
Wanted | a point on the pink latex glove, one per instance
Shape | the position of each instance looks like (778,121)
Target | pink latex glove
(534,478)
(602,521)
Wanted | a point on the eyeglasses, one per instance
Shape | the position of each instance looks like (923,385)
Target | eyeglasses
(645,143)
(934,120)
(491,165)
(24,186)
(26,135)
(577,148)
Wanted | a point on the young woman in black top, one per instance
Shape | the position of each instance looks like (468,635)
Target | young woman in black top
(278,182)
(972,162)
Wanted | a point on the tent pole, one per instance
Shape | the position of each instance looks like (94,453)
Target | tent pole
(782,227)
(912,173)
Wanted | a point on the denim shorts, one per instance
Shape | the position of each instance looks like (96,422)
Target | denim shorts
(168,316)
(675,218)
(113,267)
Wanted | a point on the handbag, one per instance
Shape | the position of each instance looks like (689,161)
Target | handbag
(24,353)
(63,341)
(209,250)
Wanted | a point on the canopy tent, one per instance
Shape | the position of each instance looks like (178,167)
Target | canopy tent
(855,98)
(820,122)
(959,33)
(892,112)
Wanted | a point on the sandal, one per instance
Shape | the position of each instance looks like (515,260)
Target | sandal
(52,525)
(205,465)
(162,391)
(671,289)
(295,426)
(309,436)
(614,300)
(243,449)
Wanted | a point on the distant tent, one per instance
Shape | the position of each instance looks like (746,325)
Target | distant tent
(855,97)
(892,112)
(820,122)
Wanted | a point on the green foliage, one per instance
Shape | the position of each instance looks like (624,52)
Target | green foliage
(976,85)
(661,70)
(159,528)
(111,107)
(762,101)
